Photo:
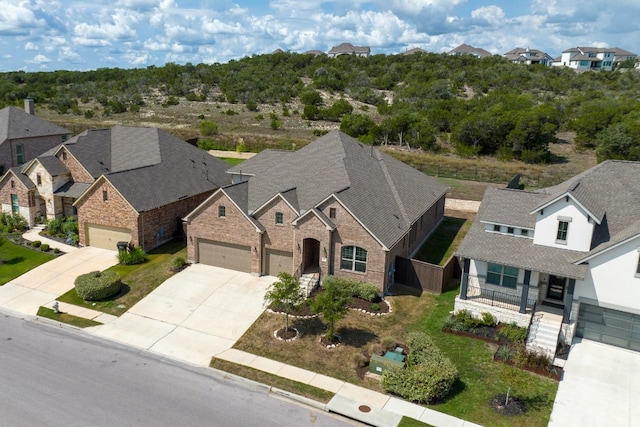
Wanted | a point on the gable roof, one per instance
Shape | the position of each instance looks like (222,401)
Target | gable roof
(15,123)
(465,48)
(148,166)
(17,173)
(608,192)
(384,194)
(346,48)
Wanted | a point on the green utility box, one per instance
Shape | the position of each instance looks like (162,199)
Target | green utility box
(391,359)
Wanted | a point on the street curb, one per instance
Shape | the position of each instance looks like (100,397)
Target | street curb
(302,399)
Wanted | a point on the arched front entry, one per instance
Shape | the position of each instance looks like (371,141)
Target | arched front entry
(310,256)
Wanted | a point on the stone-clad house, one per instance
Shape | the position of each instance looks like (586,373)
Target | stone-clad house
(23,136)
(334,207)
(349,49)
(564,260)
(131,184)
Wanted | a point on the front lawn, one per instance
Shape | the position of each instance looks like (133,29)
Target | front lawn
(137,280)
(16,260)
(480,377)
(69,319)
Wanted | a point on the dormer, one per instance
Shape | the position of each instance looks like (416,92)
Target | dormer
(566,222)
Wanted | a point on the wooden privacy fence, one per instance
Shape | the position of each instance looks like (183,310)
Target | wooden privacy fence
(428,277)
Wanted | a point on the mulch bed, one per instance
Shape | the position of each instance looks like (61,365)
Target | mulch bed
(511,408)
(356,304)
(285,334)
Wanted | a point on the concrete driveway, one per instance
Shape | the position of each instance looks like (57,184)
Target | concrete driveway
(599,387)
(197,313)
(43,284)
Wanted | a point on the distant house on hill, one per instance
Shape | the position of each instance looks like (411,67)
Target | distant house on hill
(349,49)
(465,49)
(528,56)
(414,50)
(593,58)
(315,52)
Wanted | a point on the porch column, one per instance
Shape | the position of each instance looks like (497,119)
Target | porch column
(464,283)
(525,291)
(568,300)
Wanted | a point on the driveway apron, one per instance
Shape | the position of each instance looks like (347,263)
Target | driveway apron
(599,387)
(197,313)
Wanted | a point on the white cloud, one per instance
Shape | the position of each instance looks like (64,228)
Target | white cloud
(30,46)
(18,19)
(38,59)
(491,14)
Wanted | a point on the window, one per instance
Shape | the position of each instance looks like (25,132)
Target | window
(105,195)
(38,180)
(524,232)
(496,228)
(13,184)
(353,258)
(510,230)
(563,228)
(502,275)
(279,218)
(222,211)
(20,154)
(64,155)
(332,213)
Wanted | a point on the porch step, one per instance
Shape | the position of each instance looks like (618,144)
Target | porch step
(308,282)
(543,333)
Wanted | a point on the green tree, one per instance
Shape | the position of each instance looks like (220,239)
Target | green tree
(332,303)
(208,128)
(356,125)
(276,123)
(285,293)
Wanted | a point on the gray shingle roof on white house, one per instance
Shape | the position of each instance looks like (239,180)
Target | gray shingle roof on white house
(384,194)
(610,192)
(15,123)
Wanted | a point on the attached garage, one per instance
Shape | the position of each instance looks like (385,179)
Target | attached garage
(278,261)
(225,255)
(106,237)
(609,326)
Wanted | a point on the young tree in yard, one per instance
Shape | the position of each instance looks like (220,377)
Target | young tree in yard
(285,293)
(332,303)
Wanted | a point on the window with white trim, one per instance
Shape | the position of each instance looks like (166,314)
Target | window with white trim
(563,229)
(502,275)
(353,258)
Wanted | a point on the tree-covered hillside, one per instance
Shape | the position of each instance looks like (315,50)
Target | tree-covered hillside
(480,106)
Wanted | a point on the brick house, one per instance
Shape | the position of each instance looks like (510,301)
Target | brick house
(126,183)
(336,207)
(23,136)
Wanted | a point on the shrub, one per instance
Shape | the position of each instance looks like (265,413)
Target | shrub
(389,343)
(452,323)
(11,222)
(466,317)
(73,238)
(534,358)
(178,263)
(133,256)
(505,353)
(375,307)
(70,226)
(98,286)
(488,319)
(376,348)
(54,226)
(44,247)
(514,333)
(36,243)
(56,250)
(208,128)
(429,375)
(359,360)
(359,289)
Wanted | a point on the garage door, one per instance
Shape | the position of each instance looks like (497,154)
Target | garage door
(225,255)
(609,326)
(279,261)
(103,236)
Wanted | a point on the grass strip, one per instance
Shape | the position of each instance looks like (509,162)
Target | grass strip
(15,260)
(291,386)
(69,319)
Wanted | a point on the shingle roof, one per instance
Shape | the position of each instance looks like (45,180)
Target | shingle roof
(349,48)
(72,189)
(610,193)
(148,166)
(16,123)
(383,193)
(53,165)
(24,179)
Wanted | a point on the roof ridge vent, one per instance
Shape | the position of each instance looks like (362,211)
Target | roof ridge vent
(574,186)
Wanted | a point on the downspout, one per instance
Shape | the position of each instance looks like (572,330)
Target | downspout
(142,226)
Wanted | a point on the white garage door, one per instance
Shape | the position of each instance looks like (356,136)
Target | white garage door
(225,255)
(103,236)
(279,261)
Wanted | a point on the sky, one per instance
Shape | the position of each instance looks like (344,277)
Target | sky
(48,35)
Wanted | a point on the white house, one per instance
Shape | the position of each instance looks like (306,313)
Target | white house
(564,260)
(593,58)
(528,56)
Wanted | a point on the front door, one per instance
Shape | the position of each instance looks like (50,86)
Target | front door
(310,256)
(556,288)
(15,207)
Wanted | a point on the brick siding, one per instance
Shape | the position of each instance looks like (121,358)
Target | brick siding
(33,147)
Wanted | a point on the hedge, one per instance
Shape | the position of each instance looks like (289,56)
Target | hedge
(429,375)
(98,286)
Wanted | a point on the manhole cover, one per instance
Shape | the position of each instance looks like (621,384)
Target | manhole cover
(364,408)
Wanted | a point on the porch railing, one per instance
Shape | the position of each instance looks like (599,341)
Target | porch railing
(498,299)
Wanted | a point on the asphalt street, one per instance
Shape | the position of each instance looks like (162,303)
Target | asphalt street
(54,376)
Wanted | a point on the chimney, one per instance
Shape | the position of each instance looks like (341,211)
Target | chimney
(29,106)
